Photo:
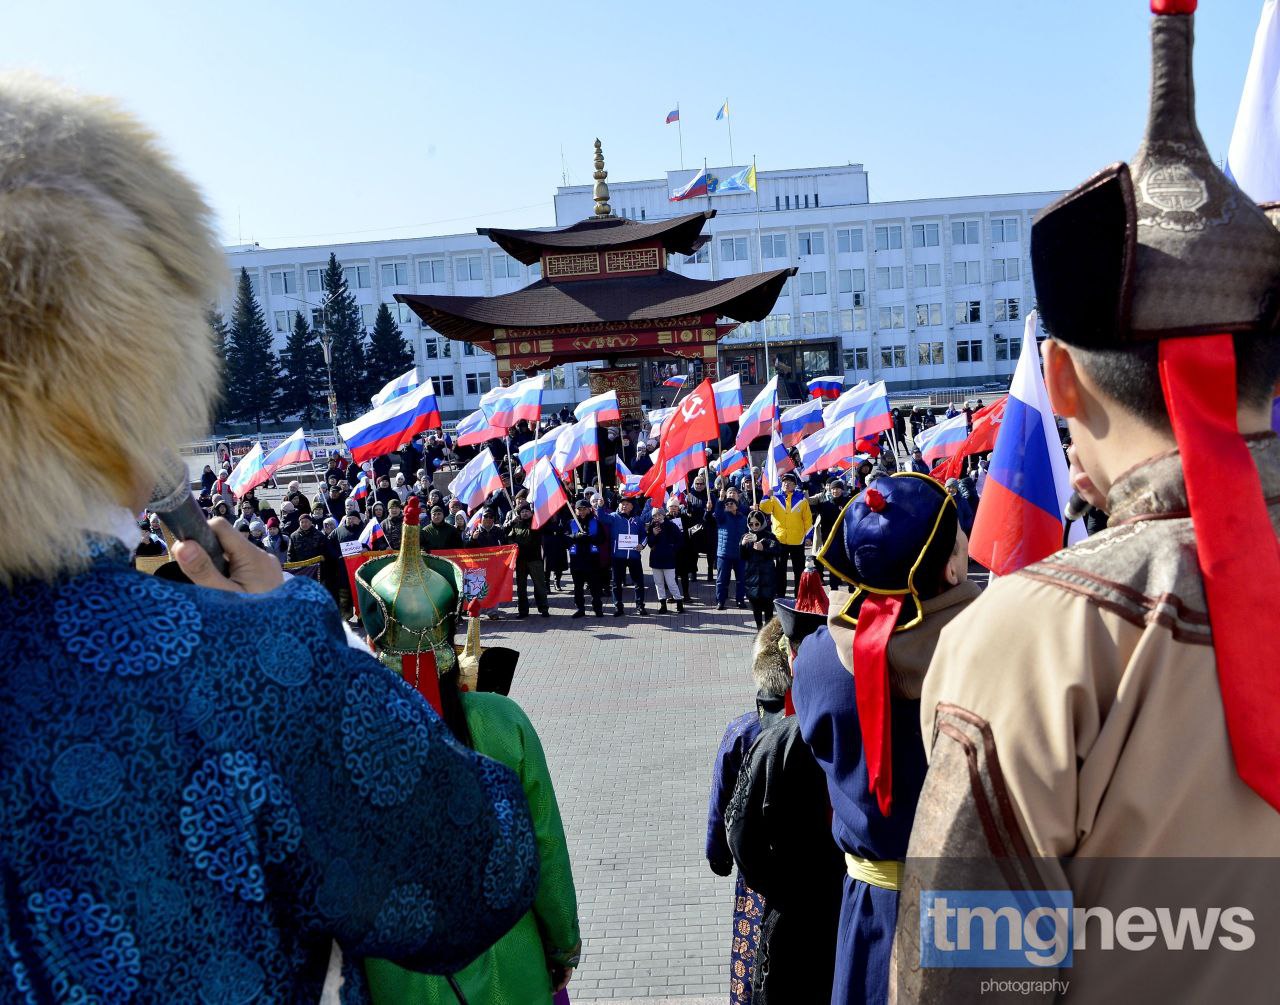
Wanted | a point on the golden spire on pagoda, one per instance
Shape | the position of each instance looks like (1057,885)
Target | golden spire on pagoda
(601,192)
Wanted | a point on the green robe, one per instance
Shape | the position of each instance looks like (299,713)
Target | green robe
(514,971)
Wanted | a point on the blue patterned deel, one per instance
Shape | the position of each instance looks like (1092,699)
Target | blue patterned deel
(201,791)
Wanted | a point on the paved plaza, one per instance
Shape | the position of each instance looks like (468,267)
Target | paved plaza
(630,711)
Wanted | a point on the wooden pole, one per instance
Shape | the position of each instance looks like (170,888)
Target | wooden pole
(751,475)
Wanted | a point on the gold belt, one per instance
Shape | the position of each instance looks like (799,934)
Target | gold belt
(886,875)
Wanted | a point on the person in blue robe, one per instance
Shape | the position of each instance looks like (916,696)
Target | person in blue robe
(903,559)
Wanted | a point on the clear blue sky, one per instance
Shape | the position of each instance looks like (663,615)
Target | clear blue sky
(307,123)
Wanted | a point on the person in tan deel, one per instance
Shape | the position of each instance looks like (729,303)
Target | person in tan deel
(1105,721)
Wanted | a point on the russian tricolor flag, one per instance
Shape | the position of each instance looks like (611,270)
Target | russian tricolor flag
(628,484)
(776,462)
(870,403)
(287,452)
(673,116)
(799,421)
(943,440)
(758,418)
(361,490)
(675,381)
(475,429)
(603,406)
(506,406)
(1027,487)
(827,388)
(681,465)
(249,473)
(546,494)
(387,426)
(372,537)
(473,484)
(403,384)
(731,461)
(698,185)
(576,445)
(728,398)
(831,447)
(544,446)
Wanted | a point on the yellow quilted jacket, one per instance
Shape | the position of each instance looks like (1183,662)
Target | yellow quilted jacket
(791,520)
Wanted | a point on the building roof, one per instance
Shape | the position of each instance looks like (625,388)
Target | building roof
(591,301)
(682,234)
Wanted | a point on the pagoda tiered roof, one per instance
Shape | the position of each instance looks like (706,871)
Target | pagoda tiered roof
(682,235)
(637,299)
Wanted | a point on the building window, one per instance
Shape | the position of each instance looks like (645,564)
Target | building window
(924,235)
(927,276)
(851,280)
(468,349)
(478,383)
(893,317)
(890,278)
(854,320)
(930,354)
(285,320)
(367,313)
(438,348)
(811,242)
(967,312)
(317,318)
(777,202)
(315,280)
(431,270)
(788,198)
(468,268)
(282,282)
(857,358)
(777,325)
(1002,349)
(773,246)
(1005,268)
(506,267)
(814,323)
(357,276)
(970,351)
(1008,310)
(1004,228)
(401,313)
(699,257)
(848,241)
(888,238)
(967,273)
(964,232)
(812,283)
(443,385)
(928,315)
(733,249)
(394,273)
(893,356)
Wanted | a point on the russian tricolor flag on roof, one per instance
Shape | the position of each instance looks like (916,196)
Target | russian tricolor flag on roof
(728,398)
(291,451)
(1027,487)
(943,440)
(673,116)
(473,484)
(475,429)
(506,406)
(758,418)
(697,185)
(403,384)
(603,406)
(799,421)
(826,387)
(676,380)
(387,426)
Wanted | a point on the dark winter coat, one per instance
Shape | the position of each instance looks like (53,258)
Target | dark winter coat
(760,579)
(527,541)
(665,543)
(444,537)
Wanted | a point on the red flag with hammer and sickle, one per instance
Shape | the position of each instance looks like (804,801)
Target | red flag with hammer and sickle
(692,421)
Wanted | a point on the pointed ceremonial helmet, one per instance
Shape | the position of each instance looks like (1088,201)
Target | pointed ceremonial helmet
(1169,252)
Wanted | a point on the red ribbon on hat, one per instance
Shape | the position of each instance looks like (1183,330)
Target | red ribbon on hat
(877,619)
(1238,552)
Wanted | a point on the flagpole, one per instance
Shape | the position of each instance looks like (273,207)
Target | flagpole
(760,244)
(751,476)
(728,121)
(680,133)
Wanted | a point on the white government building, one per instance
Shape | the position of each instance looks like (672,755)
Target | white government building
(922,293)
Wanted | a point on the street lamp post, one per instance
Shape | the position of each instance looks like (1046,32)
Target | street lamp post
(326,346)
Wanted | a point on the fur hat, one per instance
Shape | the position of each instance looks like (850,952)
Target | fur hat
(107,257)
(768,662)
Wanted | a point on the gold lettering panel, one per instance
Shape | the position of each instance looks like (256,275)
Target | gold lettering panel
(584,264)
(631,260)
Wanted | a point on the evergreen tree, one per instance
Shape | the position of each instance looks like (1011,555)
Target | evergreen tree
(252,368)
(346,331)
(302,376)
(388,355)
(218,329)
